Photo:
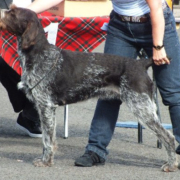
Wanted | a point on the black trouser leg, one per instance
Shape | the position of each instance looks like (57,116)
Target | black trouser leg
(9,79)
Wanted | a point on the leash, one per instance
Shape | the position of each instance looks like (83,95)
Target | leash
(46,73)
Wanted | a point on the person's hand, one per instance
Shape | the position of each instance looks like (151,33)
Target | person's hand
(160,57)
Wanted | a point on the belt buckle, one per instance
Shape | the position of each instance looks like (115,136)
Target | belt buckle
(126,18)
(136,18)
(133,18)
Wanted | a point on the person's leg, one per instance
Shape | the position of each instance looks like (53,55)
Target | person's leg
(168,76)
(9,79)
(28,119)
(106,113)
(102,126)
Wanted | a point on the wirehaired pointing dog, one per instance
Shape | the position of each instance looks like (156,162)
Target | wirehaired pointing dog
(52,77)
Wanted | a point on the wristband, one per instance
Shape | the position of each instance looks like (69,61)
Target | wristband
(158,47)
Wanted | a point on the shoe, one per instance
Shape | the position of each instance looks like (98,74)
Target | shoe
(89,159)
(178,150)
(31,128)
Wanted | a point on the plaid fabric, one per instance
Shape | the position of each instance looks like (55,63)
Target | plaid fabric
(76,34)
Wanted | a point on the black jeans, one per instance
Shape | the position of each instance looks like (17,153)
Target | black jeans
(9,79)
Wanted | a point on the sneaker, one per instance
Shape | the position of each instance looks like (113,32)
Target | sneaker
(89,159)
(178,150)
(31,128)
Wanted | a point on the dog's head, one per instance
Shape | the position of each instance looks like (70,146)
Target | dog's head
(21,22)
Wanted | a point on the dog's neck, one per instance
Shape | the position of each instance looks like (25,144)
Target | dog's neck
(30,60)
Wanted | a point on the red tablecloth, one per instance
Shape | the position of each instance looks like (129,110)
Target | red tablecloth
(76,34)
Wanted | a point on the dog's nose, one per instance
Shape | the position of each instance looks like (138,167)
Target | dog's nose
(2,12)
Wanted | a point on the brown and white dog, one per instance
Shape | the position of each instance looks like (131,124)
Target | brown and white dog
(52,77)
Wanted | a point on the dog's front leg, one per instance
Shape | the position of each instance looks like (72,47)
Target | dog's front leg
(48,124)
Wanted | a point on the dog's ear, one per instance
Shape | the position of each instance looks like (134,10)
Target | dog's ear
(12,6)
(29,35)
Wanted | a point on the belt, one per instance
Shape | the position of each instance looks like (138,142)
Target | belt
(137,19)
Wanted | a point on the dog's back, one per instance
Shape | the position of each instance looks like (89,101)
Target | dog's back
(85,75)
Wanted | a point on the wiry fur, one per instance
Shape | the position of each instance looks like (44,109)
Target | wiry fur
(53,77)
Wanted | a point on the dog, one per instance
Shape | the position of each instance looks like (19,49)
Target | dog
(53,77)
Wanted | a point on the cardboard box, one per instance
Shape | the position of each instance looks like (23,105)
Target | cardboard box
(82,8)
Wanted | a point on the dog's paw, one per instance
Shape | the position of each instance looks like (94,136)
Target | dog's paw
(169,168)
(38,162)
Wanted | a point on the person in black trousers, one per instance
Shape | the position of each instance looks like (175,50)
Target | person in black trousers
(28,119)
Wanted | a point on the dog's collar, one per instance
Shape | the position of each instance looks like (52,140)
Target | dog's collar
(53,66)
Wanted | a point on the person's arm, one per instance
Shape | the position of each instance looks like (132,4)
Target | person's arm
(39,6)
(158,27)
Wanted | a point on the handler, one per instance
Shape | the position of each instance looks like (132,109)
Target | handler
(136,24)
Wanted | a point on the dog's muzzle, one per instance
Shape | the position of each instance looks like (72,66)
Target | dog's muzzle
(2,13)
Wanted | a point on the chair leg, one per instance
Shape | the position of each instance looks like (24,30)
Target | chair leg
(140,133)
(65,121)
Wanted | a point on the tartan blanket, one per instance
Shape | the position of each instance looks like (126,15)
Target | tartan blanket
(73,33)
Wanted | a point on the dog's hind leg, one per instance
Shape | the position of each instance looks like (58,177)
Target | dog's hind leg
(144,109)
(48,124)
